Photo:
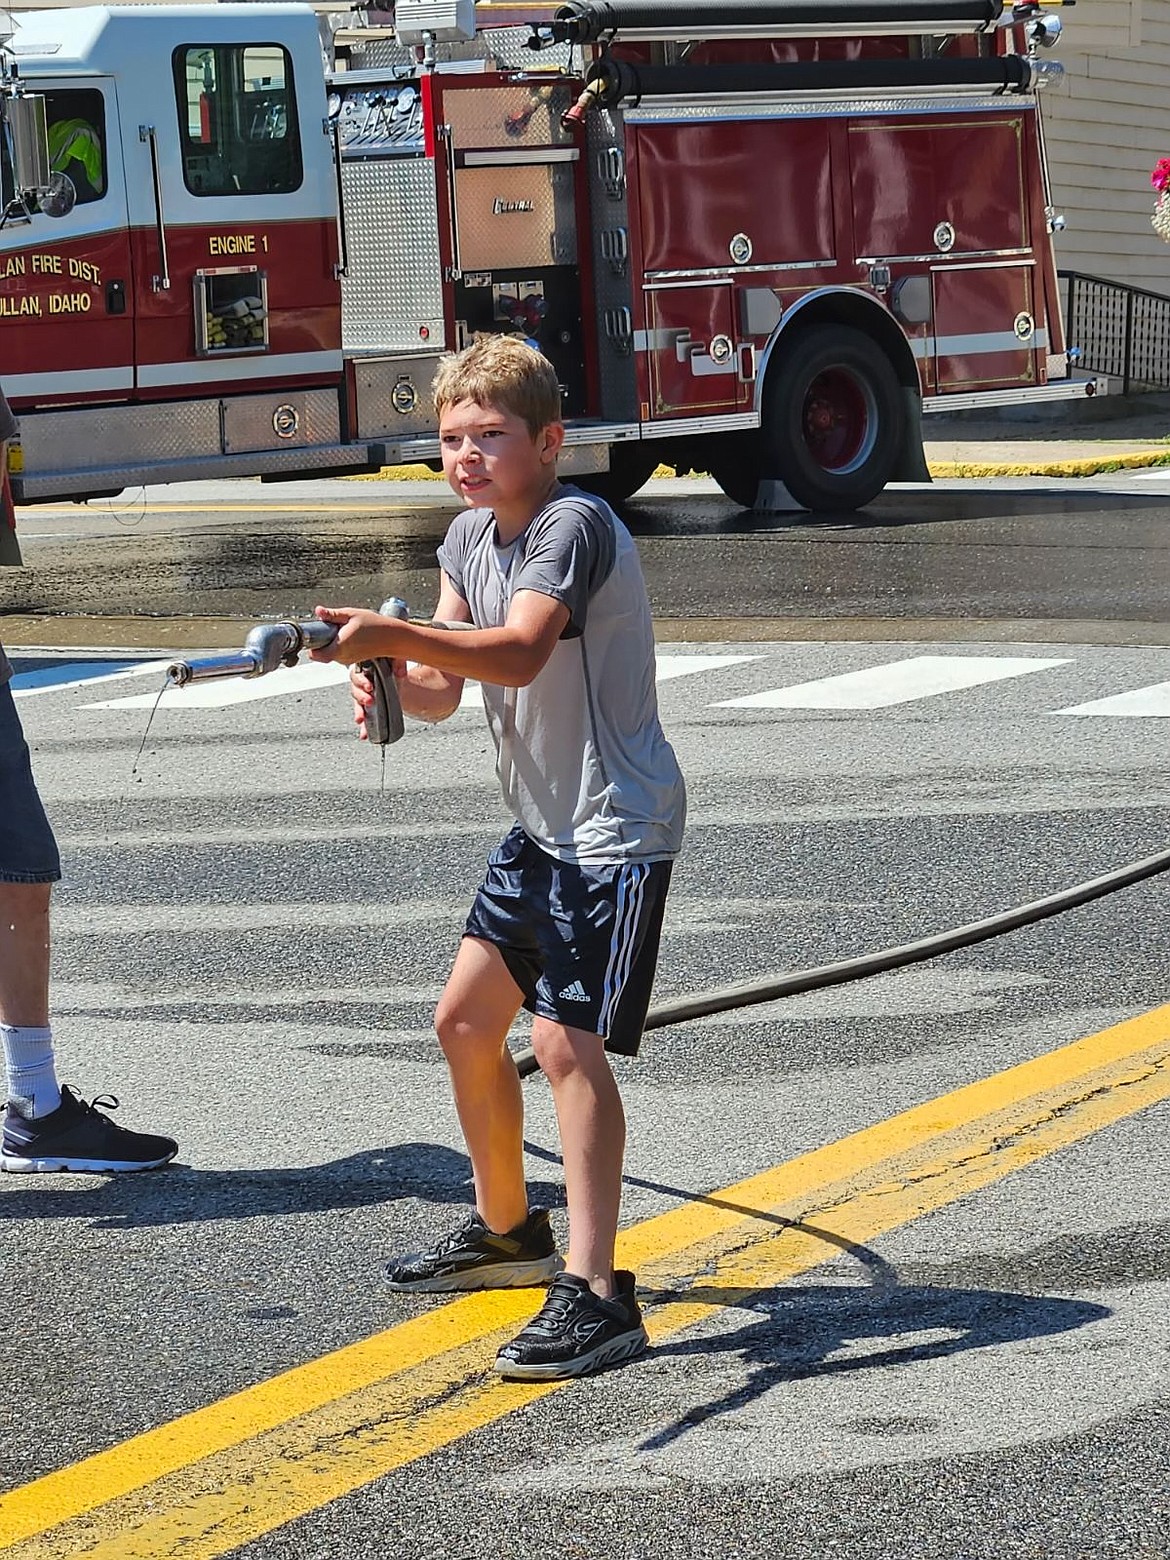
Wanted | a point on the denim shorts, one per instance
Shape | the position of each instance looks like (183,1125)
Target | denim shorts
(28,851)
(581,942)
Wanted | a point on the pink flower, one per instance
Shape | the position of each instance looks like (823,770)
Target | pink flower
(1160,177)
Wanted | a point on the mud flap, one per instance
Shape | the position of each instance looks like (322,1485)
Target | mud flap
(911,463)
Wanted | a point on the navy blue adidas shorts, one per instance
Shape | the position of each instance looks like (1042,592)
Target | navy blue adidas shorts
(28,851)
(581,942)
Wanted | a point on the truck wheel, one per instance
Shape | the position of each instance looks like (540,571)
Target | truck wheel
(630,467)
(833,418)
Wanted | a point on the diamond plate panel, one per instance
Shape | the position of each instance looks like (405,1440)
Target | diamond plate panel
(526,115)
(309,416)
(54,441)
(516,216)
(612,291)
(394,289)
(394,396)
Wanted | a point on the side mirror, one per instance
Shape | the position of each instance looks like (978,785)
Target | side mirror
(59,197)
(29,124)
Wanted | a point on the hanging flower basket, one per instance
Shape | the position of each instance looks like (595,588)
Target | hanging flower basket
(1160,179)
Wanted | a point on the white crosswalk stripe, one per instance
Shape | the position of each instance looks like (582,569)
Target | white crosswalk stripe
(78,675)
(1138,702)
(898,682)
(667,668)
(234,690)
(886,684)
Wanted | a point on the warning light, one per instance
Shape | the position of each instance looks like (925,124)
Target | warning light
(424,332)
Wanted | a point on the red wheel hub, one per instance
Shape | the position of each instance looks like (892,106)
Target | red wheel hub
(836,419)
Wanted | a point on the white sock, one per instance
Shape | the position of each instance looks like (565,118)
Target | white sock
(32,1078)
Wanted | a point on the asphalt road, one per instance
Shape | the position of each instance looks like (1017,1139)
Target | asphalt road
(942,1337)
(1010,552)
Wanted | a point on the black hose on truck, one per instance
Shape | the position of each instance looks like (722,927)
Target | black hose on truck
(585,21)
(842,971)
(616,81)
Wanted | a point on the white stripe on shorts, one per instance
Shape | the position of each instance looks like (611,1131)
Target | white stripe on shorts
(623,940)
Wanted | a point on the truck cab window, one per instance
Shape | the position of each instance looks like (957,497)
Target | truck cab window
(237,119)
(77,140)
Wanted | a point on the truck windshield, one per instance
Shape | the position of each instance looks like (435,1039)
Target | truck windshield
(237,119)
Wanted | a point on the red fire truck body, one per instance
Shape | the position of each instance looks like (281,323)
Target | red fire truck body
(751,240)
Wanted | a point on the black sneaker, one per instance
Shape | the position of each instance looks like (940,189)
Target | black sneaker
(475,1258)
(76,1136)
(575,1332)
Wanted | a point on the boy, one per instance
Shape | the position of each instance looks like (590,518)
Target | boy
(568,918)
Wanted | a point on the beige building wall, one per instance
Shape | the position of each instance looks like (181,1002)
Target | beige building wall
(1107,123)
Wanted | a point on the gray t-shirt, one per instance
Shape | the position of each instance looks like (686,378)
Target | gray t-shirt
(580,753)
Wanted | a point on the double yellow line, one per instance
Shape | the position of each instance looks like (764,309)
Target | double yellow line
(229,1473)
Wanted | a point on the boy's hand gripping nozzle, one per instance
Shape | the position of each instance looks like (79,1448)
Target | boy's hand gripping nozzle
(270,646)
(384,721)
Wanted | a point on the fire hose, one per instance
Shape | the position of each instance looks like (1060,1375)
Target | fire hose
(269,646)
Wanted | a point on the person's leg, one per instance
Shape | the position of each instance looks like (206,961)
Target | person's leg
(475,1012)
(28,866)
(505,1244)
(45,1127)
(590,1317)
(24,954)
(592,1123)
(599,957)
(29,1063)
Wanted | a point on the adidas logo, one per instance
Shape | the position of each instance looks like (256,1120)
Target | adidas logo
(574,992)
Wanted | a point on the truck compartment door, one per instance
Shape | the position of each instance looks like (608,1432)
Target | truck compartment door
(696,366)
(514,218)
(986,333)
(66,285)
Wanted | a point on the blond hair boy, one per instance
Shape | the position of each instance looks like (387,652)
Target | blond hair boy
(567,920)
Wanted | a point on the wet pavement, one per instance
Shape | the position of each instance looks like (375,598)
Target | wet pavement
(1009,555)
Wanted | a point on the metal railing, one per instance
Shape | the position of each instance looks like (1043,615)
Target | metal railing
(1118,330)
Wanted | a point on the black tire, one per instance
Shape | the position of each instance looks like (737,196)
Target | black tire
(630,467)
(833,418)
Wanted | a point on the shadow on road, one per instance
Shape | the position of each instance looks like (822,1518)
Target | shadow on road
(648,514)
(182,1195)
(833,1329)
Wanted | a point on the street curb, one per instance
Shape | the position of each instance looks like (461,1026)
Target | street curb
(1087,466)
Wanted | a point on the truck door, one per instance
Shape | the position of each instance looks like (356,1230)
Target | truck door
(66,284)
(233,201)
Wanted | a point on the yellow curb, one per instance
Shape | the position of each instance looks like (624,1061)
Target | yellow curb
(1088,466)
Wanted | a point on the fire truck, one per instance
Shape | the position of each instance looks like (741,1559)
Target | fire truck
(757,238)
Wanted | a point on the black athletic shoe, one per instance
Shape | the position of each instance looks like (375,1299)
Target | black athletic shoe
(575,1332)
(475,1258)
(76,1136)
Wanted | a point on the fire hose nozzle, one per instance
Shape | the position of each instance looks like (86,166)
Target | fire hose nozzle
(572,117)
(270,646)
